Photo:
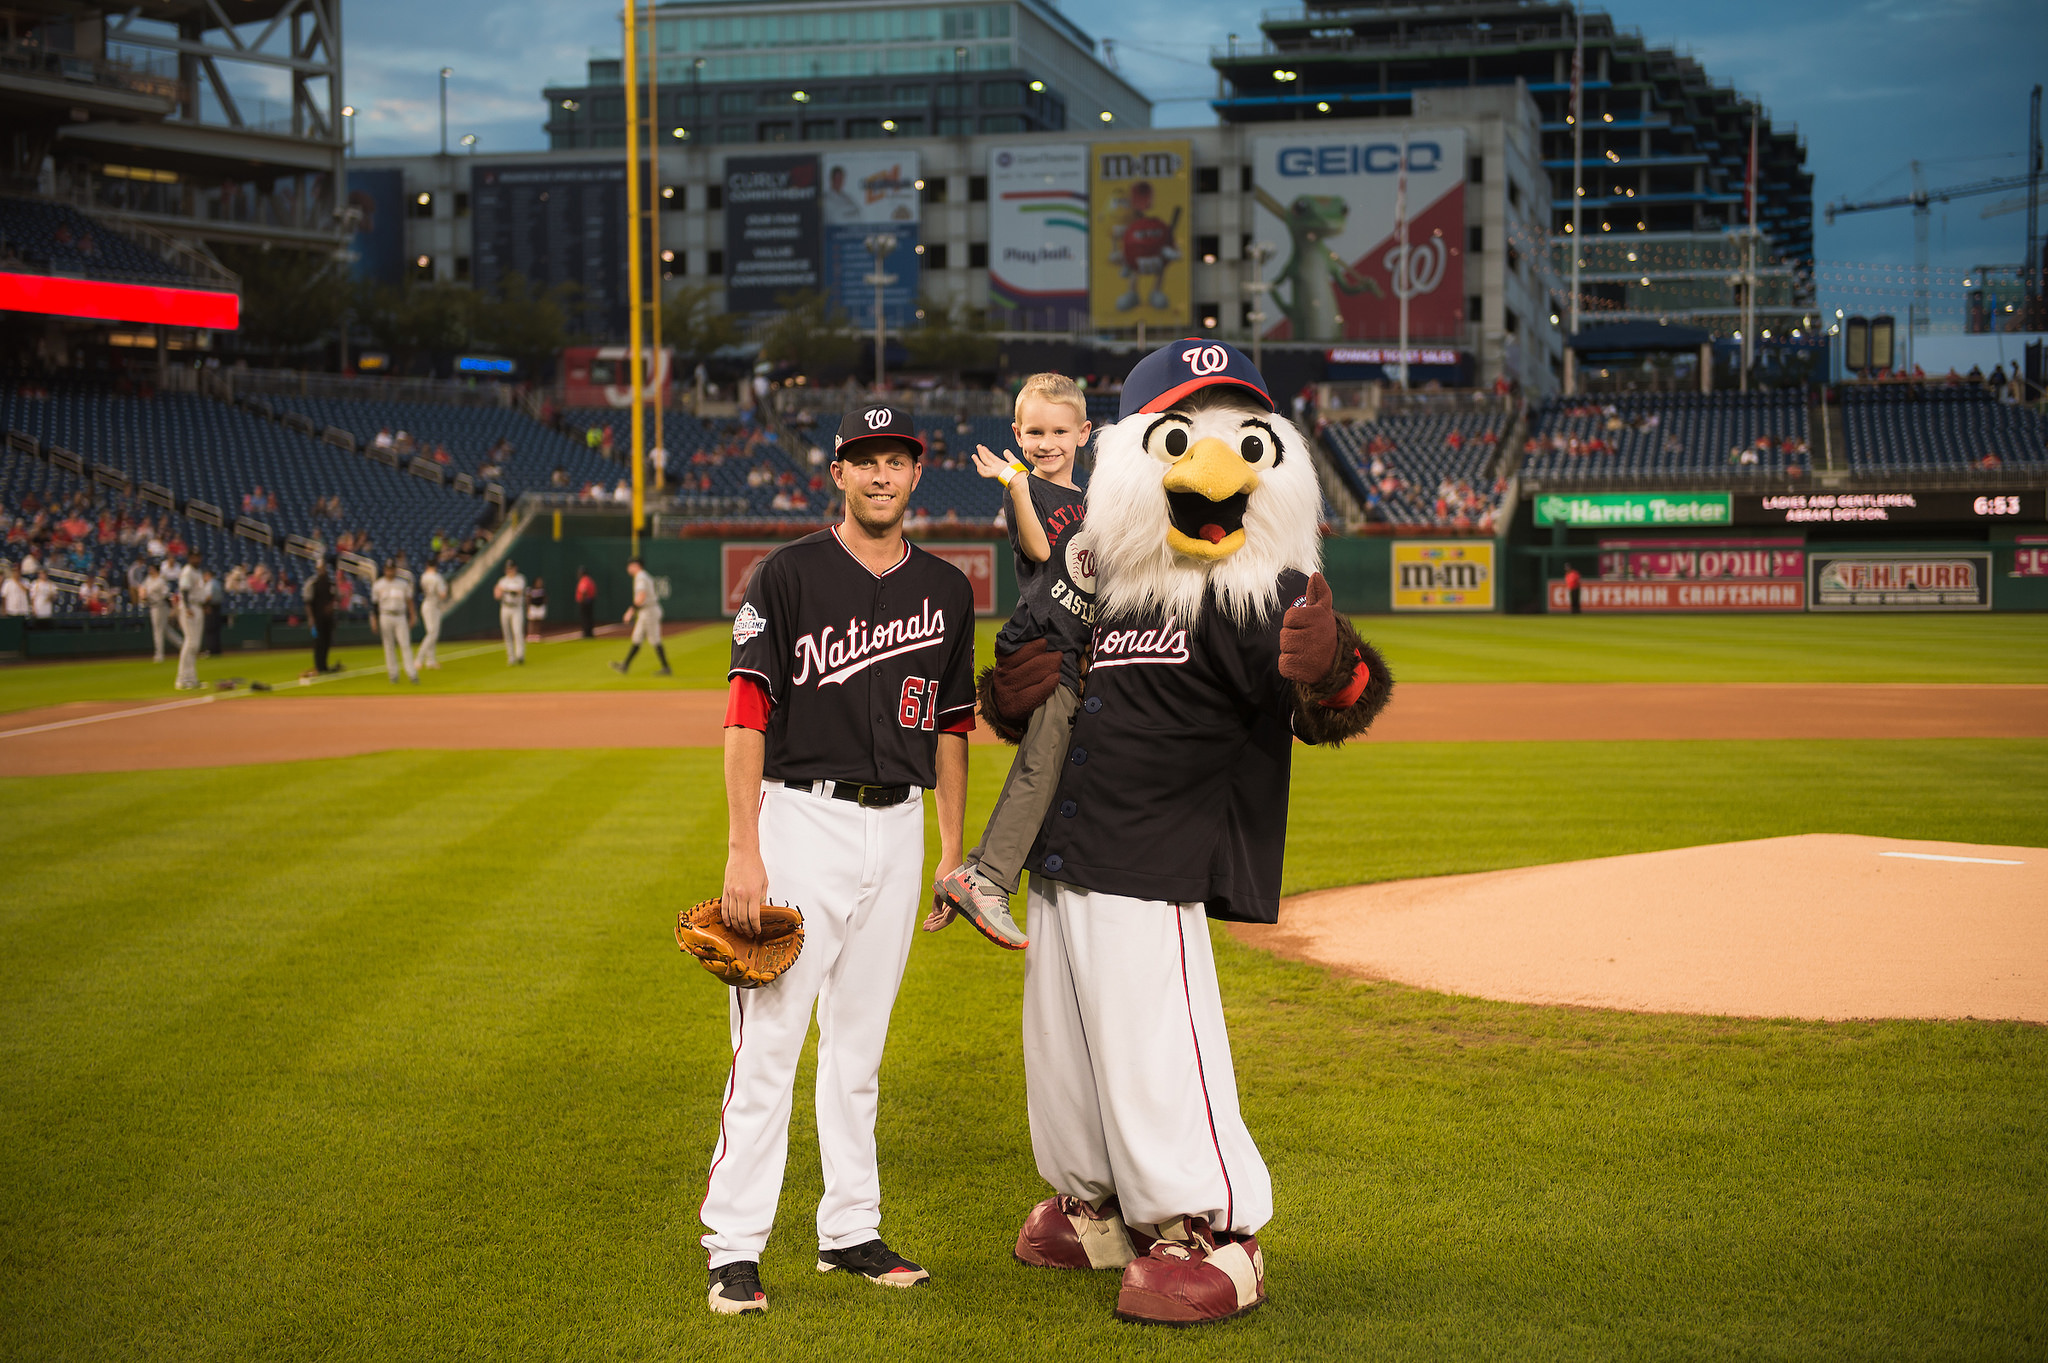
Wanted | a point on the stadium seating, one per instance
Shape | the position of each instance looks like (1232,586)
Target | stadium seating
(63,240)
(1426,456)
(215,453)
(1651,437)
(1938,429)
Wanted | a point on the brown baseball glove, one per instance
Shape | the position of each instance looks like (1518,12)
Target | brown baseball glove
(739,960)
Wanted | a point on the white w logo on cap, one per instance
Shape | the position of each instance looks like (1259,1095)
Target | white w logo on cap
(879,418)
(1206,359)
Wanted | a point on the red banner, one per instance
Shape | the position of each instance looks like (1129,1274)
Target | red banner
(1595,596)
(61,297)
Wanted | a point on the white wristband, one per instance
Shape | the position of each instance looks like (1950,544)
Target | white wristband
(1009,472)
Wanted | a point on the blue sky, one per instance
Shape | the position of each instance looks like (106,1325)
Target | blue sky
(1871,84)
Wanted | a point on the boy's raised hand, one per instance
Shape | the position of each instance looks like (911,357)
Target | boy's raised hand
(990,465)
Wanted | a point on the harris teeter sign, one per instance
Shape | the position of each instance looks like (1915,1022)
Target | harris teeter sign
(1635,508)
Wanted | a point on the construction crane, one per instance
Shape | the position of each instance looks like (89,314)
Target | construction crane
(1922,197)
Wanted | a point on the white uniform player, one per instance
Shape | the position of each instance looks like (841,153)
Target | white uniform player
(391,599)
(156,595)
(511,595)
(433,601)
(852,692)
(644,615)
(191,620)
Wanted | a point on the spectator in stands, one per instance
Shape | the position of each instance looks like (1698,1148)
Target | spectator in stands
(137,574)
(593,438)
(623,492)
(237,580)
(441,455)
(13,593)
(259,579)
(605,440)
(383,439)
(42,595)
(402,443)
(559,478)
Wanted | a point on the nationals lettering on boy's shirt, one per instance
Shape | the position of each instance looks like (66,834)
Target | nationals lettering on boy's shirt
(1175,784)
(864,669)
(1055,599)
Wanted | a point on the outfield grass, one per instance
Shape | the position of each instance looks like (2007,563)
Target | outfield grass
(1790,648)
(338,1059)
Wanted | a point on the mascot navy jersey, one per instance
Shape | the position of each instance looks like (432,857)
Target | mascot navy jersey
(864,670)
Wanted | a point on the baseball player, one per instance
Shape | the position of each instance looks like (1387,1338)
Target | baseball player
(644,615)
(156,594)
(851,693)
(191,604)
(433,601)
(511,594)
(391,598)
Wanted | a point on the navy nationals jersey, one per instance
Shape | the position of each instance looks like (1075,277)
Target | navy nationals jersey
(864,671)
(1176,779)
(1056,598)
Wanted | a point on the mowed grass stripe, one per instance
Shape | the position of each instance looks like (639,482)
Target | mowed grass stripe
(1846,649)
(472,1113)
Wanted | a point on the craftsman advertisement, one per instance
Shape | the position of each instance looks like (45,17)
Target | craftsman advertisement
(1038,234)
(870,194)
(1326,204)
(1140,217)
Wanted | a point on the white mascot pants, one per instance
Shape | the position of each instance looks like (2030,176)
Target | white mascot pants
(512,624)
(857,874)
(1127,1072)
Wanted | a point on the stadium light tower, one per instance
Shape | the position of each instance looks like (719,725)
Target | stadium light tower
(446,72)
(879,245)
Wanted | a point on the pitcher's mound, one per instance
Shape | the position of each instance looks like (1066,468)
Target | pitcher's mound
(1822,925)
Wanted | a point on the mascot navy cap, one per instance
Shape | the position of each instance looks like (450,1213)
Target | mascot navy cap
(876,421)
(1173,371)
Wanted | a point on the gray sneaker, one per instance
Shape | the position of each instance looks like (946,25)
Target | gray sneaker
(982,902)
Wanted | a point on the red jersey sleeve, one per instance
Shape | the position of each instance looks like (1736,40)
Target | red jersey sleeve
(747,705)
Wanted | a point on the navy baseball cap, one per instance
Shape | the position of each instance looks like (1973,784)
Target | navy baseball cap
(1173,371)
(876,421)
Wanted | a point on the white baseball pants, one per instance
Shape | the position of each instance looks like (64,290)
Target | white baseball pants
(190,622)
(646,628)
(1127,1075)
(858,876)
(429,649)
(512,623)
(396,632)
(160,628)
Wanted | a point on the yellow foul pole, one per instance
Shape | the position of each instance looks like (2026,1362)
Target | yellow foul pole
(636,301)
(658,292)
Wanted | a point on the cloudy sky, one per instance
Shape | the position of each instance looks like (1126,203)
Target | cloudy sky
(1871,84)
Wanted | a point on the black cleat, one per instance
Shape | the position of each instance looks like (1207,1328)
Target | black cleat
(736,1289)
(874,1261)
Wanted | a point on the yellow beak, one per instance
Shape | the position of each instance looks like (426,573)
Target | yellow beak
(1206,491)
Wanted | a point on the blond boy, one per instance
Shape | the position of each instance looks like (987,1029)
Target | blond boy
(1055,612)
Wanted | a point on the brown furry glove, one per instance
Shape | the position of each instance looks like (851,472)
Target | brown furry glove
(1012,691)
(1308,636)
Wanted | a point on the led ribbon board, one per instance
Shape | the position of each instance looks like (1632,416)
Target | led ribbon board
(61,297)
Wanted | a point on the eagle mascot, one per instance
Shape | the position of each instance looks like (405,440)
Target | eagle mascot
(1215,649)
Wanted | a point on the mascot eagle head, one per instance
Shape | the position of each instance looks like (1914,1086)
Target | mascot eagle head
(1200,484)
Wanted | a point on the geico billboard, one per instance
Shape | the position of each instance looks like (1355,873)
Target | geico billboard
(1327,204)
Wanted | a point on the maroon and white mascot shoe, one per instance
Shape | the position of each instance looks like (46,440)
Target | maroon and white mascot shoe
(1191,1276)
(1065,1232)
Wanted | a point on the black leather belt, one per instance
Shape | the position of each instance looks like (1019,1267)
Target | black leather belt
(867,797)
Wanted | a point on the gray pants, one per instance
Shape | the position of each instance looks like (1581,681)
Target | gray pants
(1027,791)
(160,626)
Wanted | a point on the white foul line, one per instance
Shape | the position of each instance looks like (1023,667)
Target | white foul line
(112,714)
(1936,856)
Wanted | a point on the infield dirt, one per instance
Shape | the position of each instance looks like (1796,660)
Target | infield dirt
(238,729)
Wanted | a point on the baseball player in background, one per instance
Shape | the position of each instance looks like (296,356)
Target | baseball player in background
(851,693)
(156,594)
(644,615)
(433,601)
(511,594)
(391,599)
(191,605)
